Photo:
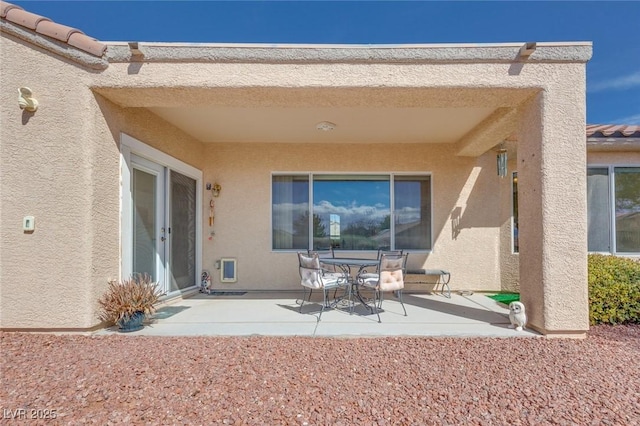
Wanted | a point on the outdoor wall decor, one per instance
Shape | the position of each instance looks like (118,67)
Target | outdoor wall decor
(26,100)
(215,190)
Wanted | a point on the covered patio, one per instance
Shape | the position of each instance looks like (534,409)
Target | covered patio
(275,313)
(360,146)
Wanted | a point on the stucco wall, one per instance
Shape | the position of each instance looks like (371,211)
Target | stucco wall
(61,165)
(509,261)
(552,201)
(613,158)
(47,162)
(464,198)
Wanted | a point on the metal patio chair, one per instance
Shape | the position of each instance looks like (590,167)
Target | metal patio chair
(389,278)
(312,276)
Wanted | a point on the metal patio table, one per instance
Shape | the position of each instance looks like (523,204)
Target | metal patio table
(345,264)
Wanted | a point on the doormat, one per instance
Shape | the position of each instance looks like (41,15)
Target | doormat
(506,298)
(227,293)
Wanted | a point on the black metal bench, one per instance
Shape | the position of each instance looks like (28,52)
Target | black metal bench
(443,279)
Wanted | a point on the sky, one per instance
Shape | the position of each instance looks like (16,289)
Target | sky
(613,74)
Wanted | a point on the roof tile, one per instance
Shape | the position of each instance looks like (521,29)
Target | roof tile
(607,130)
(44,26)
(88,44)
(24,18)
(6,7)
(57,31)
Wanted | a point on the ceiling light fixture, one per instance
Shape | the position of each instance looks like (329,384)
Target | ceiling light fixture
(325,126)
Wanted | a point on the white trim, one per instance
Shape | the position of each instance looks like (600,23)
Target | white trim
(129,146)
(143,150)
(233,278)
(613,243)
(160,172)
(126,221)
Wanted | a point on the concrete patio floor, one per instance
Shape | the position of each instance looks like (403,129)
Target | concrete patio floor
(276,314)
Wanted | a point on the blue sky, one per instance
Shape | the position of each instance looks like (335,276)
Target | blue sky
(613,74)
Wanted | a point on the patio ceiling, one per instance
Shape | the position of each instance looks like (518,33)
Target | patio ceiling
(474,119)
(299,125)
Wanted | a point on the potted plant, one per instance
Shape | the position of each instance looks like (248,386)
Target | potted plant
(126,303)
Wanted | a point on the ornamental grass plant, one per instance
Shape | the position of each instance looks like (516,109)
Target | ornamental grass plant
(123,299)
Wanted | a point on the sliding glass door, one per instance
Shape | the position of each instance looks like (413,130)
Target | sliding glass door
(147,191)
(182,212)
(163,225)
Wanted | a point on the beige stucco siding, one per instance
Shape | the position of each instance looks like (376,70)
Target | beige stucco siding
(61,165)
(459,76)
(604,158)
(47,171)
(464,213)
(552,201)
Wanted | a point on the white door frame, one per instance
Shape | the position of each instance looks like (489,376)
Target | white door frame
(153,168)
(129,146)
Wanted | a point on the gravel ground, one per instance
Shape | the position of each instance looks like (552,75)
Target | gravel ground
(295,380)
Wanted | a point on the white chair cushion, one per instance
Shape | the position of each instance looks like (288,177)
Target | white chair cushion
(311,278)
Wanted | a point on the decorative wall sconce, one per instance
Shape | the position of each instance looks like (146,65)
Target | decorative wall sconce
(215,190)
(26,100)
(502,162)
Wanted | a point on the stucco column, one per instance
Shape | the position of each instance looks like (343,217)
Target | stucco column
(552,208)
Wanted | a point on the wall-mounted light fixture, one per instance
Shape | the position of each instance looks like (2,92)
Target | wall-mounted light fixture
(502,161)
(26,100)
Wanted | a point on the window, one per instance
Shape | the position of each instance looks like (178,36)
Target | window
(598,209)
(613,192)
(351,212)
(627,209)
(412,212)
(290,212)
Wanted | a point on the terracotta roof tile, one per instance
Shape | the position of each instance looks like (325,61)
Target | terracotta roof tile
(25,19)
(57,31)
(606,130)
(46,27)
(88,44)
(6,7)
